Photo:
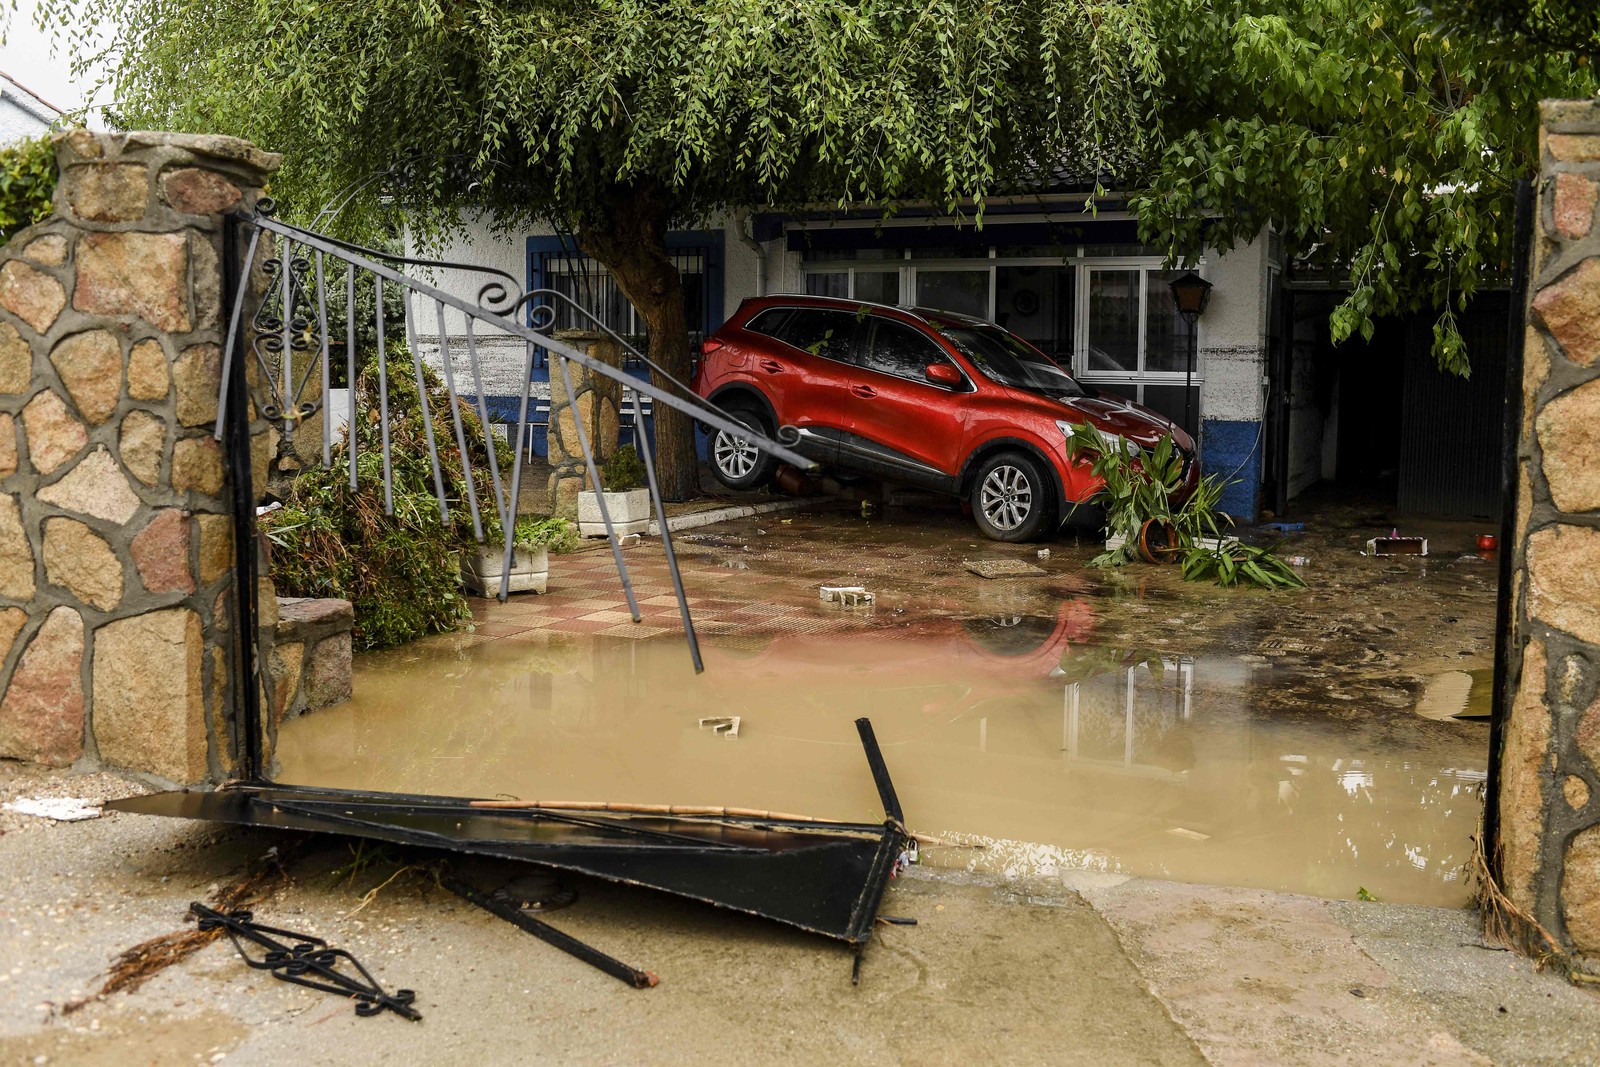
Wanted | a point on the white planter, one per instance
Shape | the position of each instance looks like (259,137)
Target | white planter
(630,513)
(482,566)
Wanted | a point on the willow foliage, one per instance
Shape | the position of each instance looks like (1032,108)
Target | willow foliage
(549,109)
(1383,145)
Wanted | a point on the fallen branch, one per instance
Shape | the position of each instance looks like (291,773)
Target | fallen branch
(1506,923)
(137,965)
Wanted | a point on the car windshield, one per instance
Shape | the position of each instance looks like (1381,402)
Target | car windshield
(1005,358)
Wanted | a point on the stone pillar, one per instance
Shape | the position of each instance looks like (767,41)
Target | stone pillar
(116,561)
(1550,773)
(597,401)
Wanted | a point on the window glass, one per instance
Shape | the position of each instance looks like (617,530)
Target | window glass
(1009,360)
(966,292)
(770,322)
(951,252)
(901,350)
(833,283)
(821,332)
(878,286)
(1166,337)
(1114,320)
(1037,303)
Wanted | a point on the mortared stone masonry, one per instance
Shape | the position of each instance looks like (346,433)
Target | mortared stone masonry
(116,565)
(1550,771)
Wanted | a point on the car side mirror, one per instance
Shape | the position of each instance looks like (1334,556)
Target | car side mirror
(943,374)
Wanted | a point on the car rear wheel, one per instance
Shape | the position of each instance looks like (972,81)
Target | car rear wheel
(736,462)
(1011,498)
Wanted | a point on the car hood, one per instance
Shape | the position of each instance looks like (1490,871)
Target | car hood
(1113,414)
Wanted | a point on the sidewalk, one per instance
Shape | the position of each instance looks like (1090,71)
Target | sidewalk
(1074,969)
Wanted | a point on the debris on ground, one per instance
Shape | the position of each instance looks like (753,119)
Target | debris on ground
(726,725)
(60,809)
(519,918)
(823,876)
(1285,527)
(304,960)
(137,965)
(1395,545)
(849,596)
(1003,568)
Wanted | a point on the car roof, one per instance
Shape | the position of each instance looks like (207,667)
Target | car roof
(931,316)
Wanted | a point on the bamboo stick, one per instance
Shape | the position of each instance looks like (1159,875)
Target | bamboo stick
(681,809)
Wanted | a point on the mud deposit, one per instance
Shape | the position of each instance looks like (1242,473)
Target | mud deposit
(1116,721)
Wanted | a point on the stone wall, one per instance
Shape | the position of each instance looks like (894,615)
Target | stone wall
(1550,775)
(115,538)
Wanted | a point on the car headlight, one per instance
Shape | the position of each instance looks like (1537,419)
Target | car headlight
(1115,441)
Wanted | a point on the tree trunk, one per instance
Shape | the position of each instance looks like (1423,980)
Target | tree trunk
(632,244)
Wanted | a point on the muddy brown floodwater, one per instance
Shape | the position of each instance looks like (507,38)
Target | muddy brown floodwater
(1014,731)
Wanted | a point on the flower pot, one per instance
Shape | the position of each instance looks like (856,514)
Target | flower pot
(630,512)
(482,565)
(1158,542)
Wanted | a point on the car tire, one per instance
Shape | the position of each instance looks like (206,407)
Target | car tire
(736,463)
(1012,498)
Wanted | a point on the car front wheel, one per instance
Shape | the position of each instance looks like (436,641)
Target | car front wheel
(1011,498)
(737,463)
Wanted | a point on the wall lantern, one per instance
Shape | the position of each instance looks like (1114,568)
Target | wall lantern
(1190,293)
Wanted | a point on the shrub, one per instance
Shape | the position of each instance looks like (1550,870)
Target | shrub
(400,571)
(623,471)
(27,184)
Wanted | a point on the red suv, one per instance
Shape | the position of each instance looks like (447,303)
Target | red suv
(916,397)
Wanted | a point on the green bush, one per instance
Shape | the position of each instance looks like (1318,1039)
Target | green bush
(623,471)
(27,184)
(399,571)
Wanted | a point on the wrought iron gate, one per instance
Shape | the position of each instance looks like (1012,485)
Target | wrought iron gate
(288,339)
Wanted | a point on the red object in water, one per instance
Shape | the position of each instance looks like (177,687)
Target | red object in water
(1488,542)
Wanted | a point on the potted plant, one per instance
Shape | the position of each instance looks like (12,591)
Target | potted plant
(622,478)
(533,539)
(1141,520)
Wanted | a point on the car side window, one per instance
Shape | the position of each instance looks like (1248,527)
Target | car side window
(820,331)
(770,322)
(901,350)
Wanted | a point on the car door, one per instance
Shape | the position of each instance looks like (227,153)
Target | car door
(807,376)
(899,425)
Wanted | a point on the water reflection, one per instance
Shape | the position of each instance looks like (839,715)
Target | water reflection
(1008,729)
